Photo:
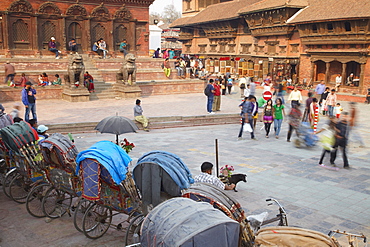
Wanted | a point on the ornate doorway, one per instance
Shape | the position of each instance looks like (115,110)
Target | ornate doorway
(75,31)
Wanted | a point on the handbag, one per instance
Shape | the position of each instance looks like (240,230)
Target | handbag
(247,128)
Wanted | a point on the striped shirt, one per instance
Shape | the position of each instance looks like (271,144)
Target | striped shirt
(206,178)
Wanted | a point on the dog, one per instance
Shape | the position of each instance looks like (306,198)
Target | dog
(236,178)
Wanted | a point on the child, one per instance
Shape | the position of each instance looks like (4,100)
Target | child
(43,80)
(338,110)
(57,81)
(22,81)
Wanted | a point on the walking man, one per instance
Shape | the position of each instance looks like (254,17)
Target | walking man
(138,114)
(9,73)
(249,110)
(341,139)
(29,101)
(295,97)
(319,90)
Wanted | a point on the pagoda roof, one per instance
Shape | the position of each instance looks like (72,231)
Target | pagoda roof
(327,10)
(215,12)
(273,4)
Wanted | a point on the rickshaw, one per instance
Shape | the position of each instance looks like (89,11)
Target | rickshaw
(182,222)
(108,185)
(54,198)
(5,156)
(159,176)
(204,192)
(21,140)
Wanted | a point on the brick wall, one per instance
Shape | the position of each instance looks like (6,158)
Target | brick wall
(366,82)
(14,94)
(304,67)
(137,36)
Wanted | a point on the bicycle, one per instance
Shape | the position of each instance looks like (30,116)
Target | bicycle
(353,239)
(256,221)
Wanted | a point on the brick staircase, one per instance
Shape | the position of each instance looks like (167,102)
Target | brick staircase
(103,90)
(149,77)
(154,123)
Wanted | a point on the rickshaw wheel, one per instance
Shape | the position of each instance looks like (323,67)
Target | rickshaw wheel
(80,211)
(56,203)
(34,200)
(96,221)
(134,229)
(19,188)
(7,179)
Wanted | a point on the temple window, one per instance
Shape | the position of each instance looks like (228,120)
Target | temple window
(314,28)
(347,26)
(20,31)
(330,27)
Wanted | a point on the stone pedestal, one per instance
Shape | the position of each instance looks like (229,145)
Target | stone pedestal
(76,94)
(126,91)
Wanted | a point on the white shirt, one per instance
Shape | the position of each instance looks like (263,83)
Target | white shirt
(338,80)
(295,95)
(206,178)
(247,92)
(243,80)
(102,45)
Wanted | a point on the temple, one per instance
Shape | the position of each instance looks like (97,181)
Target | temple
(307,40)
(26,26)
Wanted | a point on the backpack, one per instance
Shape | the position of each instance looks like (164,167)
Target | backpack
(207,91)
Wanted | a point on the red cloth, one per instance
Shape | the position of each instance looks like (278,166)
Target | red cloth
(217,88)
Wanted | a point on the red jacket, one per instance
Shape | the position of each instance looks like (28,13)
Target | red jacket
(217,88)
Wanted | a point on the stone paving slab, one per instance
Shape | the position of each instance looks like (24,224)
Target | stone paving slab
(314,197)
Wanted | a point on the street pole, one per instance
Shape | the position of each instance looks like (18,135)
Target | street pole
(217,170)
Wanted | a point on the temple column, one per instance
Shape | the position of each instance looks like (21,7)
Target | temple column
(344,74)
(312,71)
(327,72)
(64,31)
(6,32)
(131,36)
(362,74)
(34,31)
(87,46)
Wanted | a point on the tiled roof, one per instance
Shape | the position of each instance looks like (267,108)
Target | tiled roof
(319,10)
(180,22)
(273,4)
(217,12)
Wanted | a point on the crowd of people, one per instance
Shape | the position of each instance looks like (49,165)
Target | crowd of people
(99,46)
(43,79)
(320,104)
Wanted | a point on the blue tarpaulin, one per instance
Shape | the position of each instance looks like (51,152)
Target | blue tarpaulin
(172,164)
(111,156)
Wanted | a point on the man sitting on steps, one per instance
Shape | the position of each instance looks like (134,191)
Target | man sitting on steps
(138,114)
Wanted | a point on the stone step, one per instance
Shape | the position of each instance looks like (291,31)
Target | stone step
(154,123)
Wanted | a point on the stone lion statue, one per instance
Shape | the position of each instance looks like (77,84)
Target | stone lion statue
(128,69)
(76,71)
